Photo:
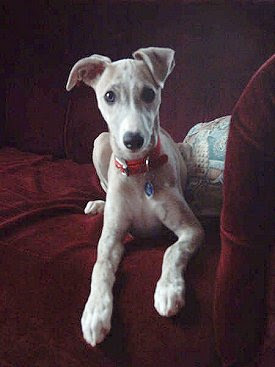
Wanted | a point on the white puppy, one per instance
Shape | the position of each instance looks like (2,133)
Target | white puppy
(143,174)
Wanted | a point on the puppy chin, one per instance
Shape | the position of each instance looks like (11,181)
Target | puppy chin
(128,154)
(134,154)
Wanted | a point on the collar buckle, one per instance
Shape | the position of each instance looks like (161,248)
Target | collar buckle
(123,166)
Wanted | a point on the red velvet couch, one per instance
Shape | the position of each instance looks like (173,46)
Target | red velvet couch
(47,244)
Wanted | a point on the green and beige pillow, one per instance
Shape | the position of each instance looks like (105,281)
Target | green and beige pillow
(204,149)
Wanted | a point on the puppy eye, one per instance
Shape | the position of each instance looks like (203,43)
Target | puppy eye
(110,97)
(148,95)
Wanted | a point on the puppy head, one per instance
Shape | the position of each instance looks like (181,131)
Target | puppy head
(129,95)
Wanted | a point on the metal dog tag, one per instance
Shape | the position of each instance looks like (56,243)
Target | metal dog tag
(149,189)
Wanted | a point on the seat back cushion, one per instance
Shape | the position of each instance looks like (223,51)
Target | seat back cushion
(35,113)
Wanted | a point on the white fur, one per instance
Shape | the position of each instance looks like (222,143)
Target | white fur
(127,208)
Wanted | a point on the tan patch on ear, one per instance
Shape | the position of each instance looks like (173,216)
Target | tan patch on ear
(97,69)
(90,72)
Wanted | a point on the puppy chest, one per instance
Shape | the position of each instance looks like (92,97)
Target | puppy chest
(140,197)
(144,219)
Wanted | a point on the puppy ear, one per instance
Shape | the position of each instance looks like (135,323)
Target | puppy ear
(160,62)
(87,70)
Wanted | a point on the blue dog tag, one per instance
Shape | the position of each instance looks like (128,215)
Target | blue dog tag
(149,189)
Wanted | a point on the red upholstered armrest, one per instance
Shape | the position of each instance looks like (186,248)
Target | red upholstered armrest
(247,222)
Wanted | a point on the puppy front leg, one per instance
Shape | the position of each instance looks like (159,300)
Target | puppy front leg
(178,217)
(96,318)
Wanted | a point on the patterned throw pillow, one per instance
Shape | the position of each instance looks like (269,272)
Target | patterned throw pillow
(204,150)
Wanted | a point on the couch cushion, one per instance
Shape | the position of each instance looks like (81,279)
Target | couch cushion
(83,124)
(48,248)
(35,112)
(34,190)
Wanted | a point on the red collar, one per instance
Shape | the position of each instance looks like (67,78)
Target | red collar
(153,160)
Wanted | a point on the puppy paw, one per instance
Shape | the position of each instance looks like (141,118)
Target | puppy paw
(94,207)
(169,297)
(96,318)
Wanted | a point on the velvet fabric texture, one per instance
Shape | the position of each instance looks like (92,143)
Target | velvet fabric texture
(247,223)
(47,244)
(48,247)
(40,95)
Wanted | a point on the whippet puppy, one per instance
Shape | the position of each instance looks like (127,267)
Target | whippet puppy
(143,173)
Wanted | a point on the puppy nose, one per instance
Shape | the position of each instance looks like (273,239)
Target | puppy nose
(133,141)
